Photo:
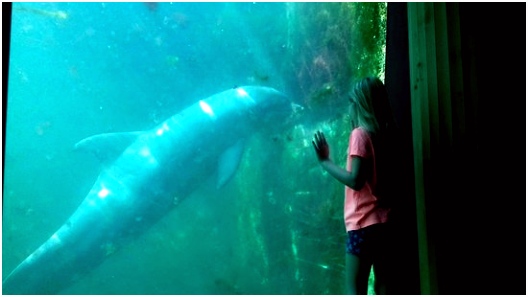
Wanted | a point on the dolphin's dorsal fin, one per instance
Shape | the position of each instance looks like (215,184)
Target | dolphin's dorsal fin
(228,163)
(107,146)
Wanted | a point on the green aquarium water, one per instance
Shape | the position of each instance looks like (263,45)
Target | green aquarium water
(82,69)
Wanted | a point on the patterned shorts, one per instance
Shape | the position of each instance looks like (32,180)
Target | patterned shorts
(366,242)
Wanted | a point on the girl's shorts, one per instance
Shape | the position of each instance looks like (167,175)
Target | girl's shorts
(366,242)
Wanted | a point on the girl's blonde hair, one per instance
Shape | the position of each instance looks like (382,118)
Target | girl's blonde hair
(370,105)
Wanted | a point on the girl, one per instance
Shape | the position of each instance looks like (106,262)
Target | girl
(364,178)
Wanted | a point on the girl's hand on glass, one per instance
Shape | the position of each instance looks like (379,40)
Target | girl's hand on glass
(321,146)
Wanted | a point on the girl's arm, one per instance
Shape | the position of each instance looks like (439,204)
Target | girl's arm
(355,178)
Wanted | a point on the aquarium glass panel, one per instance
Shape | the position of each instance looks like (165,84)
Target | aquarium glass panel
(165,147)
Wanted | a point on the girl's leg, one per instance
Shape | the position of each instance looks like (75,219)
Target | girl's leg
(380,261)
(380,277)
(357,274)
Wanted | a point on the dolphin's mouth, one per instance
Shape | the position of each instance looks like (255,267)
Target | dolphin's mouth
(297,107)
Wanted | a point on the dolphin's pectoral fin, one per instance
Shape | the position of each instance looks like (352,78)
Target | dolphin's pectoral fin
(108,146)
(228,163)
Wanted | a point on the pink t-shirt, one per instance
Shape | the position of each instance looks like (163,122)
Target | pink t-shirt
(361,208)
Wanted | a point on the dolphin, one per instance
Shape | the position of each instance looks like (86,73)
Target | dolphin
(145,172)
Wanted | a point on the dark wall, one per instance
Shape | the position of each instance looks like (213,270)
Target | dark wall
(404,277)
(6,35)
(477,211)
(494,36)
